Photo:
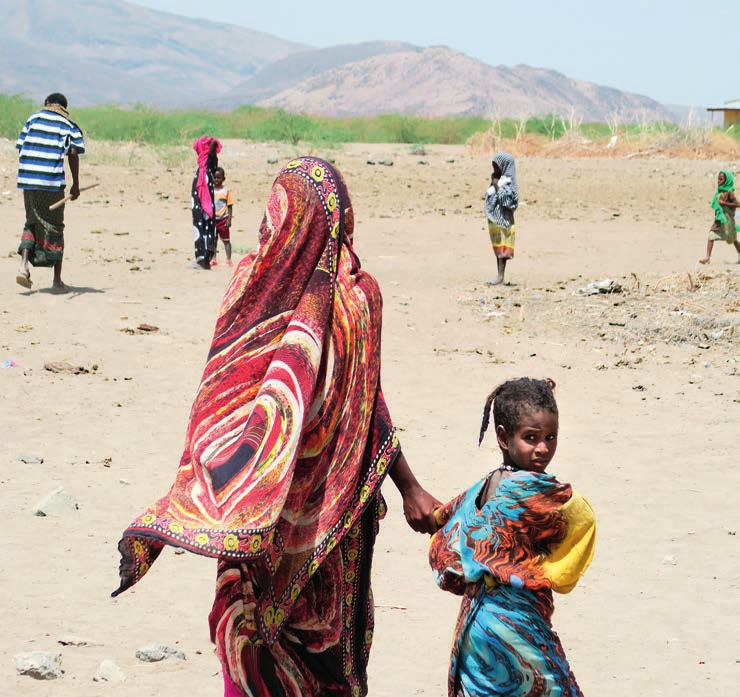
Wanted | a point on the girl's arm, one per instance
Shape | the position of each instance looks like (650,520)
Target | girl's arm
(231,215)
(418,504)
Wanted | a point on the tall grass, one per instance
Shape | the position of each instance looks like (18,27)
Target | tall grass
(146,125)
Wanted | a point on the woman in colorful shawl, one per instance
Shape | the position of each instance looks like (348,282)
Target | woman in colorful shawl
(724,205)
(203,202)
(502,199)
(288,443)
(507,543)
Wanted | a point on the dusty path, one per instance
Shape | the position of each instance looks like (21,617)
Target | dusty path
(647,385)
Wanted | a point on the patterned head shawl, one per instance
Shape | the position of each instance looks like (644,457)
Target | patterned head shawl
(289,437)
(202,148)
(505,163)
(729,185)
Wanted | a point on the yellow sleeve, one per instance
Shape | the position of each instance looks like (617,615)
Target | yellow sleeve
(565,565)
(229,198)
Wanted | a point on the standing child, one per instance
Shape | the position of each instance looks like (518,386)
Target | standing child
(224,211)
(506,544)
(724,205)
(502,199)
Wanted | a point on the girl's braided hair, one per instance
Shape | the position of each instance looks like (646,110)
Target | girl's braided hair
(516,398)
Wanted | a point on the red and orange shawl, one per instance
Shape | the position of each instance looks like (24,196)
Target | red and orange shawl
(289,437)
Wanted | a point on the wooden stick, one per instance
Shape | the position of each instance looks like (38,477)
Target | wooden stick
(68,197)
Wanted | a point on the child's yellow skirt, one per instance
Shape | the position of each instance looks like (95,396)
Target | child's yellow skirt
(502,240)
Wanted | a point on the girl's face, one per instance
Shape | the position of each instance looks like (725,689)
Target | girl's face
(496,171)
(720,179)
(218,179)
(533,444)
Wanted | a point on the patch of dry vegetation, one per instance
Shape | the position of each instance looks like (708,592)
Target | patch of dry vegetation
(689,143)
(699,310)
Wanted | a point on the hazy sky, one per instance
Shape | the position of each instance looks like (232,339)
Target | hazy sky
(685,53)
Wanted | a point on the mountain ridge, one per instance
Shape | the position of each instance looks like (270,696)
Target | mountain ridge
(117,52)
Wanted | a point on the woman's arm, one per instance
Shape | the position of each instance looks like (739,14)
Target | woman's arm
(418,504)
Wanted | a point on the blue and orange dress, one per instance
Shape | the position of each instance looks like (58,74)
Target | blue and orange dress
(505,555)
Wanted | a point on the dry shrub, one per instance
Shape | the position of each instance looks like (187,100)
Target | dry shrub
(689,143)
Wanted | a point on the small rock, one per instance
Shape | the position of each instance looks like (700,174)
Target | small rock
(386,163)
(669,560)
(272,160)
(64,367)
(30,459)
(58,502)
(159,652)
(606,286)
(108,671)
(72,640)
(423,162)
(143,328)
(40,665)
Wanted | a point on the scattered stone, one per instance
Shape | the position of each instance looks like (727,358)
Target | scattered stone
(72,640)
(108,671)
(57,503)
(386,163)
(30,459)
(423,162)
(153,653)
(605,286)
(40,665)
(370,162)
(64,367)
(272,160)
(669,560)
(143,328)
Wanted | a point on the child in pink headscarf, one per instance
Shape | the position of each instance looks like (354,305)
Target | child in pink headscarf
(204,217)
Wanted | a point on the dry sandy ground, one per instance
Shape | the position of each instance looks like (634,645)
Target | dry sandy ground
(648,389)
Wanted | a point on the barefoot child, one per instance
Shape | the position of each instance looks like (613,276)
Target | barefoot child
(506,544)
(724,205)
(224,210)
(502,199)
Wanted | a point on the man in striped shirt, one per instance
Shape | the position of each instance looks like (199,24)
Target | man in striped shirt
(46,138)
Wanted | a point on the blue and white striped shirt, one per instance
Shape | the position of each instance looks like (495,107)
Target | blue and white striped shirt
(44,141)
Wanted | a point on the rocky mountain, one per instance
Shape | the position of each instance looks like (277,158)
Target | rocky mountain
(111,51)
(438,81)
(299,67)
(117,52)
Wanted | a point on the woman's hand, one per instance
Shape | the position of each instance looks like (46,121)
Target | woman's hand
(418,509)
(418,503)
